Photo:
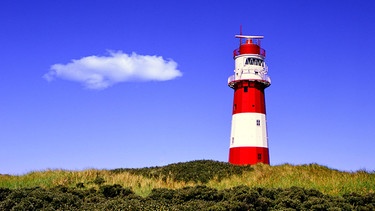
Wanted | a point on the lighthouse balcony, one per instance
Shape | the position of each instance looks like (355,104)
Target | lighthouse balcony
(249,76)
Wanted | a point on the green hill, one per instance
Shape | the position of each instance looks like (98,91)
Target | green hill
(202,184)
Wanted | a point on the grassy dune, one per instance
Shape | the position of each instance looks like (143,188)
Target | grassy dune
(213,174)
(312,176)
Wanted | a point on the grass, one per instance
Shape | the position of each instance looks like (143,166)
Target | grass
(52,178)
(312,176)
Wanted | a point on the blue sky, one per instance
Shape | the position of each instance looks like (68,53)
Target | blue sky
(320,106)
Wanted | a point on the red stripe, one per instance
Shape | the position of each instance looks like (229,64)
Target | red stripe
(249,48)
(248,155)
(249,97)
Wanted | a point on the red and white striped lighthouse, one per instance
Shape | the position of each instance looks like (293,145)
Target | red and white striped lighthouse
(248,141)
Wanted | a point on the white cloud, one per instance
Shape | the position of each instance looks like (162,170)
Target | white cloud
(100,72)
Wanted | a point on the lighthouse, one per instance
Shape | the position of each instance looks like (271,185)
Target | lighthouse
(248,140)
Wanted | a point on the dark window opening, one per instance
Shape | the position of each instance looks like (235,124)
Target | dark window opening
(254,61)
(258,122)
(245,89)
(259,156)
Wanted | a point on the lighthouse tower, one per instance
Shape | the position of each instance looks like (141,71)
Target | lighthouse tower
(248,141)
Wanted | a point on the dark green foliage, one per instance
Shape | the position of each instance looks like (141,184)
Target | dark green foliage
(193,171)
(199,197)
(98,180)
(111,191)
(116,197)
(162,194)
(80,185)
(38,198)
(366,202)
(186,194)
(4,192)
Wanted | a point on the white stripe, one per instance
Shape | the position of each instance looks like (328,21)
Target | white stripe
(246,132)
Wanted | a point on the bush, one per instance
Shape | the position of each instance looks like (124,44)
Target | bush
(111,191)
(362,202)
(116,197)
(4,192)
(162,194)
(38,198)
(198,193)
(194,171)
(98,180)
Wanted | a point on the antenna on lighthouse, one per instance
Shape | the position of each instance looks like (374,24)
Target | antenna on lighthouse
(241,34)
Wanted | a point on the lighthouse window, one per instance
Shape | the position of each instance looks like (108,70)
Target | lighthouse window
(249,61)
(245,89)
(254,61)
(258,122)
(259,156)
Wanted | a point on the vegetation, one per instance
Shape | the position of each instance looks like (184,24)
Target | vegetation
(195,185)
(115,197)
(196,171)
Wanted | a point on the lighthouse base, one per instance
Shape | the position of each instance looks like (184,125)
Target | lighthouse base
(248,155)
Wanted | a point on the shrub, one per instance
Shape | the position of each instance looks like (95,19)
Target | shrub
(111,191)
(362,202)
(194,171)
(98,180)
(230,205)
(29,203)
(80,185)
(240,193)
(198,193)
(115,197)
(4,192)
(162,194)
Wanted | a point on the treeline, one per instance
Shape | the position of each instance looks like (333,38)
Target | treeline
(116,197)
